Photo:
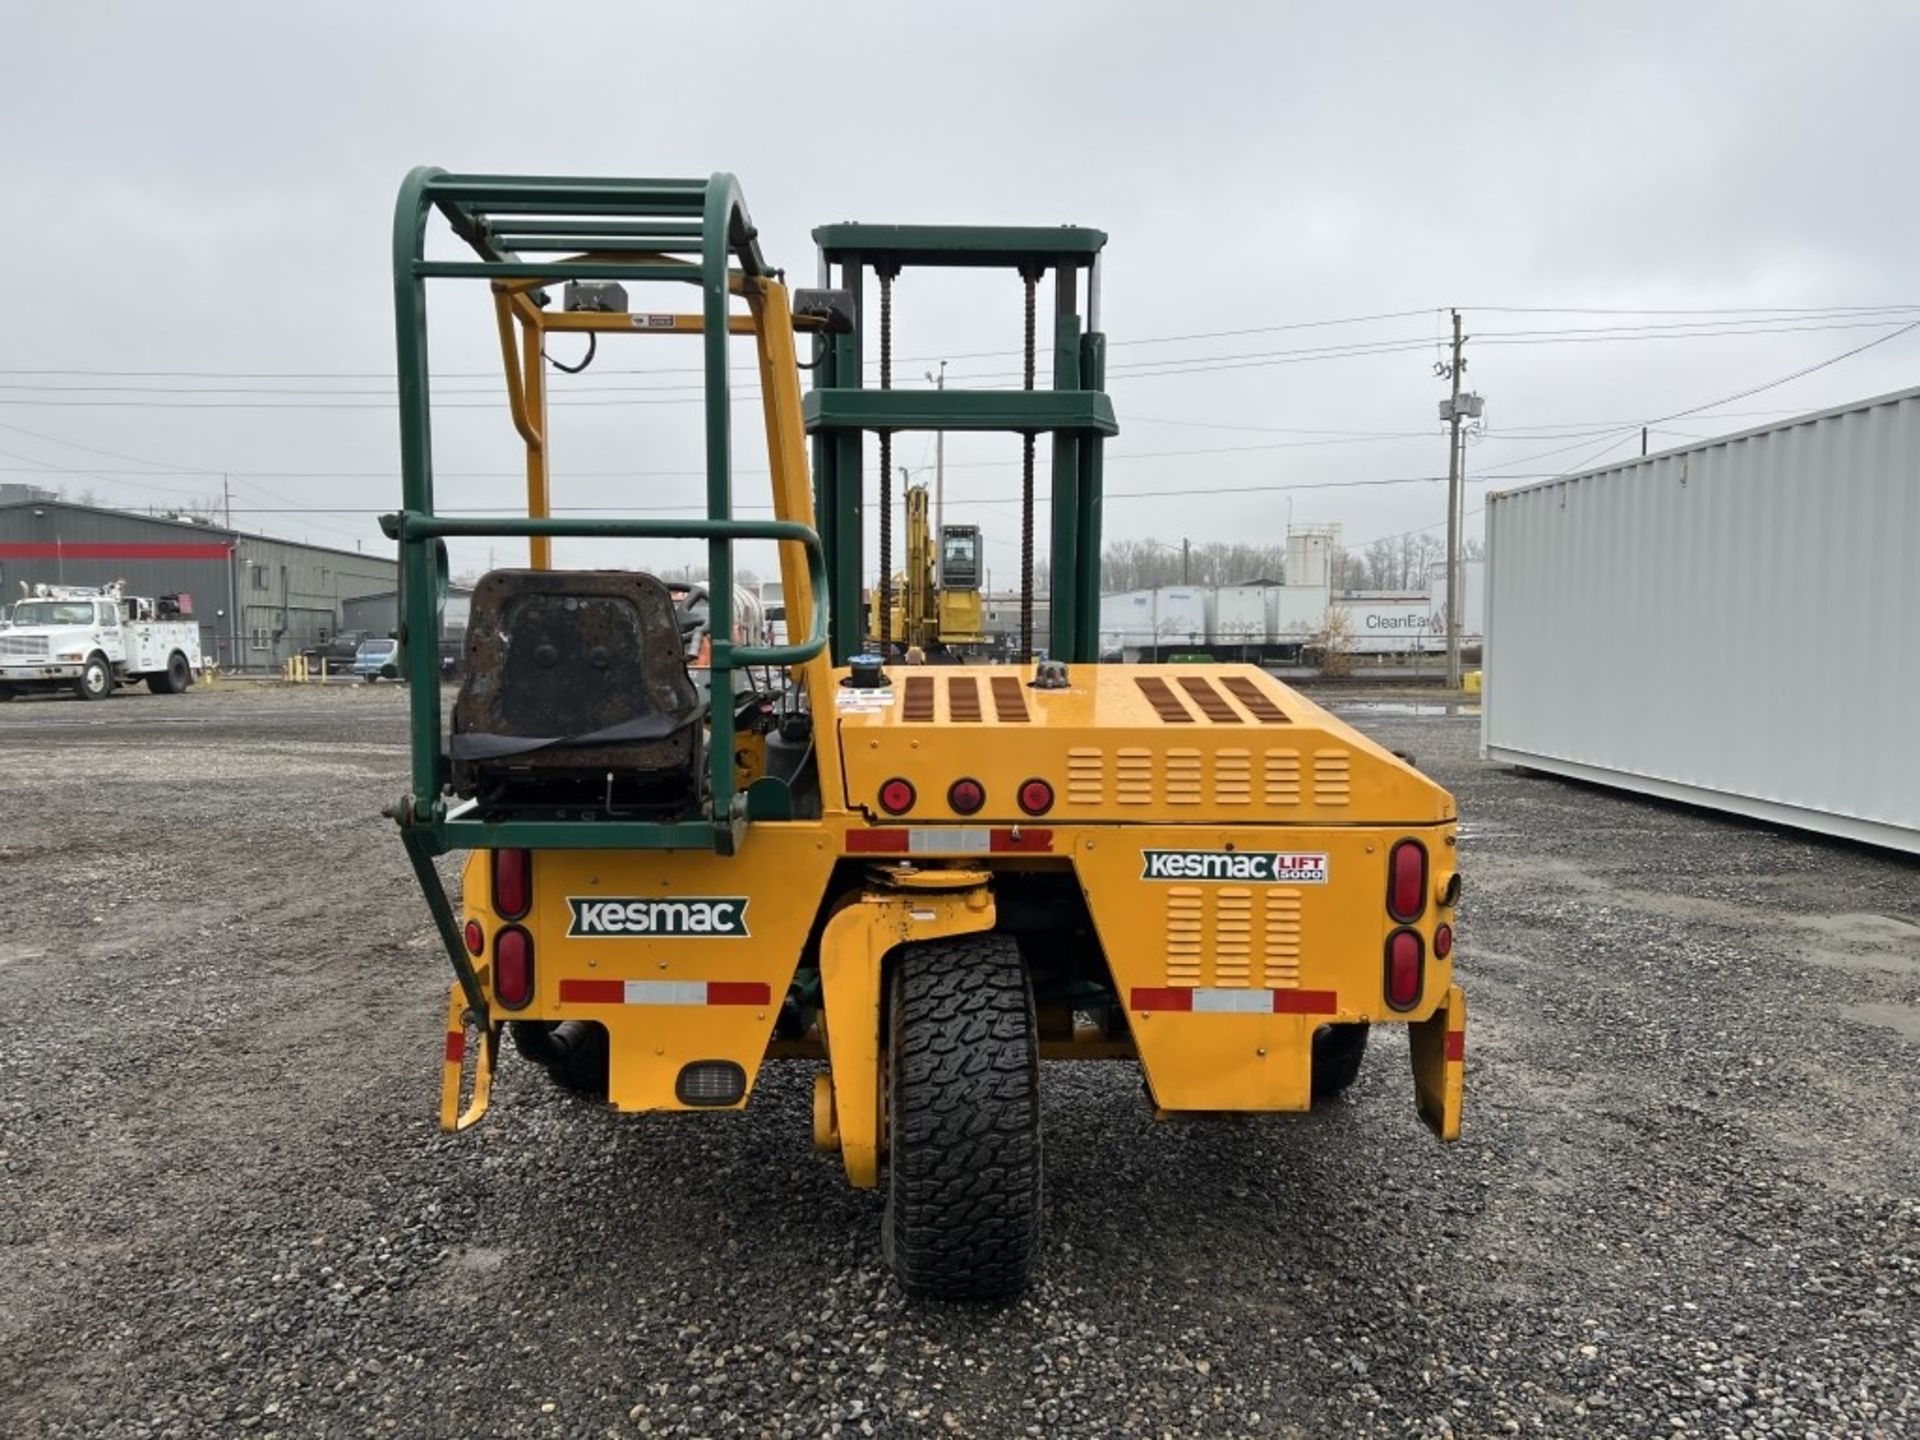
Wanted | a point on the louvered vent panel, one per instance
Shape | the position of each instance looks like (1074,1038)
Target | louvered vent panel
(1165,703)
(1332,780)
(1256,701)
(963,699)
(917,706)
(1009,700)
(1280,778)
(1183,777)
(1212,703)
(1086,776)
(1280,940)
(1233,937)
(1186,934)
(1133,777)
(1232,777)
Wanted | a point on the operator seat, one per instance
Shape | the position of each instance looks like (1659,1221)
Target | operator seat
(576,697)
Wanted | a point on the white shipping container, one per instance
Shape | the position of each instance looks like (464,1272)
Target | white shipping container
(1182,614)
(1299,612)
(1473,601)
(1688,625)
(1387,624)
(1174,615)
(1240,614)
(1126,619)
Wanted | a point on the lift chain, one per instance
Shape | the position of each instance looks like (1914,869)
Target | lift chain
(1032,278)
(884,628)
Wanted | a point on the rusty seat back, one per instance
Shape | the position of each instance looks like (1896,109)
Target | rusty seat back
(576,696)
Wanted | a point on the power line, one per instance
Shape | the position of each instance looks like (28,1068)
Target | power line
(595,397)
(1725,399)
(1757,314)
(1723,310)
(693,369)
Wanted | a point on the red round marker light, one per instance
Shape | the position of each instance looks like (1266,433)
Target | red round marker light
(1443,941)
(965,797)
(896,797)
(476,938)
(1036,797)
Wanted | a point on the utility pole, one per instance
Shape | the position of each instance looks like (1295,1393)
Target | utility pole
(939,486)
(233,598)
(1453,513)
(1186,561)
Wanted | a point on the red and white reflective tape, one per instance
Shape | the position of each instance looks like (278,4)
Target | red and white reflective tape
(1216,1000)
(665,992)
(949,840)
(1456,1045)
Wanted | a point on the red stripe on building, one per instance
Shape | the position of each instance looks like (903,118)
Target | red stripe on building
(593,992)
(110,550)
(738,992)
(456,1046)
(1147,997)
(1305,1002)
(1456,1044)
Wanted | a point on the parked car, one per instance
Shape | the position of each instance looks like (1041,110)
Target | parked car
(377,659)
(336,653)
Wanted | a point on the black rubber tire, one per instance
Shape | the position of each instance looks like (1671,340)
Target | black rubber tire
(1337,1053)
(963,1108)
(95,680)
(174,679)
(573,1052)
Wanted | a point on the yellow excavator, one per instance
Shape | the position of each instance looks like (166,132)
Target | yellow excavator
(938,611)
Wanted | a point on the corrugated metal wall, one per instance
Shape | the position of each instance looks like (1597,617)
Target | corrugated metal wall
(291,596)
(284,594)
(1728,624)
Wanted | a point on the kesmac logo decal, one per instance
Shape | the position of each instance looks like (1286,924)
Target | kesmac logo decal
(1252,867)
(694,917)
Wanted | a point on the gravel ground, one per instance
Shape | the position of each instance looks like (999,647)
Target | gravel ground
(1685,1202)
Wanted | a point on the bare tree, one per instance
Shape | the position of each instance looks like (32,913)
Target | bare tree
(1148,564)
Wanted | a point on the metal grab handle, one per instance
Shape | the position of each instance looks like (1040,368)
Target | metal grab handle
(411,525)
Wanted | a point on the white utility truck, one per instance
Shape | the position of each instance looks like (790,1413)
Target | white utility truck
(89,639)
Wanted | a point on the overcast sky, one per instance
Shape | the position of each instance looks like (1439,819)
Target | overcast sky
(203,191)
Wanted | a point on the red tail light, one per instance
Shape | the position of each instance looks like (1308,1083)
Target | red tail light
(476,938)
(1442,942)
(896,797)
(1404,978)
(1036,797)
(513,967)
(965,797)
(1407,881)
(512,883)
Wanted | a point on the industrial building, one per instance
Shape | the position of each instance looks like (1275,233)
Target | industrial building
(378,612)
(258,599)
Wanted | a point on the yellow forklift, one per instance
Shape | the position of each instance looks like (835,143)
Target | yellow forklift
(923,882)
